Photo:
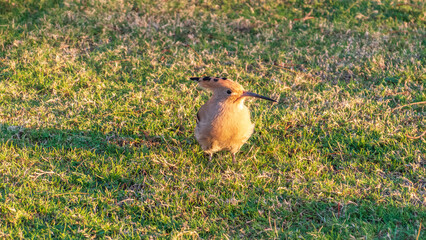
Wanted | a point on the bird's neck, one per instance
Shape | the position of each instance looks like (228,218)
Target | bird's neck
(235,104)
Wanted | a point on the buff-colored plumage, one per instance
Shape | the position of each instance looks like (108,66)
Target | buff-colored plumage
(223,122)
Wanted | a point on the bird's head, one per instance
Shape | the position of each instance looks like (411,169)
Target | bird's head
(226,89)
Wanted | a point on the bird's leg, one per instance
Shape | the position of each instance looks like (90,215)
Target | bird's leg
(233,158)
(210,157)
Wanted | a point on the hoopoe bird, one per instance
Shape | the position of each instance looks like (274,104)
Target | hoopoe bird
(223,122)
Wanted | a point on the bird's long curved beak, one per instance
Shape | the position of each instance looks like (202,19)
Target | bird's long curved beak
(250,94)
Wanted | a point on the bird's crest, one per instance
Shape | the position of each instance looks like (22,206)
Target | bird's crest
(218,83)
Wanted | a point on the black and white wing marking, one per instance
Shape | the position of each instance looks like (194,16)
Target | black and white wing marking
(198,117)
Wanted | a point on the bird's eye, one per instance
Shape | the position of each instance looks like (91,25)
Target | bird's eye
(229,91)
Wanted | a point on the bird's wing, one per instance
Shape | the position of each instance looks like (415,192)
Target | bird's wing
(201,114)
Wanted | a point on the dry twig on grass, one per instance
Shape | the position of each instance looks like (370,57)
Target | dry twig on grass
(418,233)
(307,17)
(420,136)
(416,103)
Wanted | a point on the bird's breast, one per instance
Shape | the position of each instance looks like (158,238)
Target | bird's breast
(232,122)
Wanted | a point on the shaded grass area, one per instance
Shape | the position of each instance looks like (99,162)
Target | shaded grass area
(97,117)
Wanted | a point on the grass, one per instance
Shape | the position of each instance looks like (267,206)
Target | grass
(97,116)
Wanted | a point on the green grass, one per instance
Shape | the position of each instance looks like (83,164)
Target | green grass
(97,116)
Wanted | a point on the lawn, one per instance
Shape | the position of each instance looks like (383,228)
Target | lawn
(97,118)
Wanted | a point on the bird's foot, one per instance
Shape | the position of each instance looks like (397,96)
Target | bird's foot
(233,159)
(209,155)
